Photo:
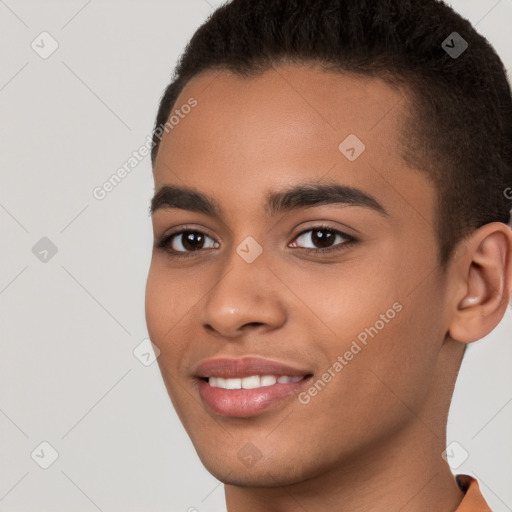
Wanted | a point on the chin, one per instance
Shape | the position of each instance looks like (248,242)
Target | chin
(250,477)
(266,472)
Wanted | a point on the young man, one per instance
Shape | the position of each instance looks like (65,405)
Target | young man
(332,193)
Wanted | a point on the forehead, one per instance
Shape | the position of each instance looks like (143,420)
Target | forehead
(249,135)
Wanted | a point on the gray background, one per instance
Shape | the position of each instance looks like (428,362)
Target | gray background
(69,325)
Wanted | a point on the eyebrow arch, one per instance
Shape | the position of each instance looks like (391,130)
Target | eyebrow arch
(304,195)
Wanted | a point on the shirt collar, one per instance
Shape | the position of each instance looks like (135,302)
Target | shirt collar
(473,500)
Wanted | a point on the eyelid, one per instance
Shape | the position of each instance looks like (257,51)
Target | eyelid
(327,227)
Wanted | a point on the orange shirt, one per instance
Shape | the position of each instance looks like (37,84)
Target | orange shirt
(473,500)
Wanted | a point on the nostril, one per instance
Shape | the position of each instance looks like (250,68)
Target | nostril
(255,324)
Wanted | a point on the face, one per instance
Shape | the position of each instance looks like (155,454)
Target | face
(336,286)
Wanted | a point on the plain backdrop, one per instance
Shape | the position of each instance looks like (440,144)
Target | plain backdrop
(71,319)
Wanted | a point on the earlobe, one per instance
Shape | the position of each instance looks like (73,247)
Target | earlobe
(485,282)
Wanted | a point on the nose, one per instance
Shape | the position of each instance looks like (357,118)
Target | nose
(247,296)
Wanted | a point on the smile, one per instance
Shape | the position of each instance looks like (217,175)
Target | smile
(247,386)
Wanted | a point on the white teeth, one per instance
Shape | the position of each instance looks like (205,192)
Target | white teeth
(268,380)
(284,379)
(252,382)
(233,383)
(217,382)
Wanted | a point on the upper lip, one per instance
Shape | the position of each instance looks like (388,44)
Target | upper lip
(245,367)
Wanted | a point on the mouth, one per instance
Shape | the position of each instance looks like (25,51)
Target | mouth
(247,387)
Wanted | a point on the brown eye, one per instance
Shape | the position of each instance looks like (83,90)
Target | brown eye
(187,241)
(323,238)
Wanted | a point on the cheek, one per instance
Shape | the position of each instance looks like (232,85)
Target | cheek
(155,304)
(391,340)
(163,304)
(346,299)
(163,309)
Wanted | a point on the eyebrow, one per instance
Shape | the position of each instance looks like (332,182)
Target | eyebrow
(304,195)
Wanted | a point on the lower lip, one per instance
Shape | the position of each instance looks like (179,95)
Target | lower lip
(246,402)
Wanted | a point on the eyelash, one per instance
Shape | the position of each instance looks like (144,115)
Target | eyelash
(165,242)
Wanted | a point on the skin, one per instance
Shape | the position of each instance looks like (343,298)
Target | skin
(372,439)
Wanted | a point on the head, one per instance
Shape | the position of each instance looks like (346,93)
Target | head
(349,120)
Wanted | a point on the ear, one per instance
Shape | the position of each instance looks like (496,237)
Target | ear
(482,282)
